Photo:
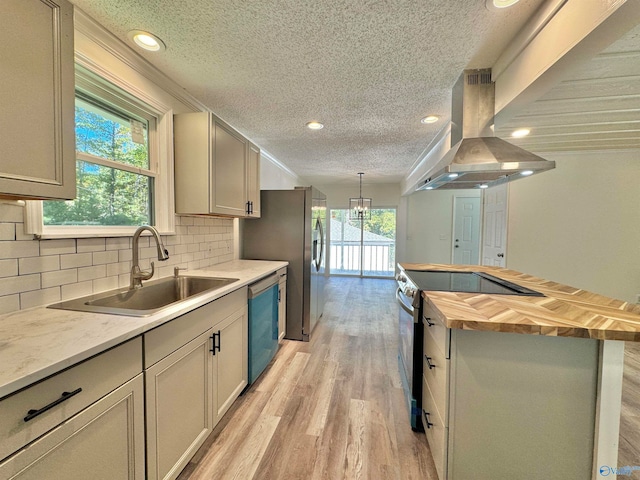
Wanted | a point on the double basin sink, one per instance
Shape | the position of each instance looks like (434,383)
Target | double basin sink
(152,297)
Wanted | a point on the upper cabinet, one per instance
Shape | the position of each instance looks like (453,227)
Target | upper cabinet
(253,180)
(214,165)
(37,145)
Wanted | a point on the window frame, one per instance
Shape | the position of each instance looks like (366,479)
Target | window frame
(107,87)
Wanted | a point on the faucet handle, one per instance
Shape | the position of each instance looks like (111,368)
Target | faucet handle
(176,270)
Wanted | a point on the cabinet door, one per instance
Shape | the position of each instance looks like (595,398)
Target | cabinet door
(228,181)
(253,181)
(178,390)
(103,442)
(230,364)
(37,145)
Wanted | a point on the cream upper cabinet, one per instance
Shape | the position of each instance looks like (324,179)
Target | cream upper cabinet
(211,164)
(253,180)
(37,145)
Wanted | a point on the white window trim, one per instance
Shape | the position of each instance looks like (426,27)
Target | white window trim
(164,205)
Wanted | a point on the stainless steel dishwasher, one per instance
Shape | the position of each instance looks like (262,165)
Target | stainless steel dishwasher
(263,324)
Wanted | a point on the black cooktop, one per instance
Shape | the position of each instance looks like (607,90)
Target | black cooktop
(468,282)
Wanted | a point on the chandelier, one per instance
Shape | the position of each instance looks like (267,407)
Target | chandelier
(360,208)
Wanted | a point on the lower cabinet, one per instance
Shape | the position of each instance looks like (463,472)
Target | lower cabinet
(179,406)
(282,302)
(507,405)
(103,442)
(190,386)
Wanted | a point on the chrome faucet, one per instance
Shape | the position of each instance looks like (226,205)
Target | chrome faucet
(138,275)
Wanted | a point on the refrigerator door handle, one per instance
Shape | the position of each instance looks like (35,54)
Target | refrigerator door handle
(320,257)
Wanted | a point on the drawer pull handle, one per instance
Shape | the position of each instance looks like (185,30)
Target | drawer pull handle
(431,365)
(215,345)
(426,417)
(429,322)
(31,414)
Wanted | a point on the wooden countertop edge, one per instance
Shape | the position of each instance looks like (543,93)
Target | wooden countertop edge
(564,312)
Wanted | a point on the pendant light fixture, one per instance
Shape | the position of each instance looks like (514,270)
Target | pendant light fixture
(360,208)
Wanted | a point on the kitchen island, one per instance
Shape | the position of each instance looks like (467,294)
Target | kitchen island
(523,386)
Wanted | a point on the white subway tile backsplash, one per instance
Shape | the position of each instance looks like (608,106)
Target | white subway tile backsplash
(91,273)
(11,213)
(9,268)
(59,277)
(102,258)
(91,245)
(9,303)
(7,231)
(118,243)
(75,290)
(23,283)
(75,260)
(39,264)
(17,249)
(58,247)
(106,283)
(39,297)
(38,272)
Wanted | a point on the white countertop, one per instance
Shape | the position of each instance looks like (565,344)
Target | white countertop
(39,342)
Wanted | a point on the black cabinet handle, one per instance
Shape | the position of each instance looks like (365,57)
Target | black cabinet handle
(429,322)
(428,359)
(31,414)
(426,417)
(214,344)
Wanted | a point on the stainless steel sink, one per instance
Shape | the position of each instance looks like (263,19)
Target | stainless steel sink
(148,299)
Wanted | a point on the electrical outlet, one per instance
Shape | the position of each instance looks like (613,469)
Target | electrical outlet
(228,246)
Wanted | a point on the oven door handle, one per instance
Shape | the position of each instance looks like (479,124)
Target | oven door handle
(402,304)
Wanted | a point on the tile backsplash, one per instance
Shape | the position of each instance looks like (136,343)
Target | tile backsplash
(38,272)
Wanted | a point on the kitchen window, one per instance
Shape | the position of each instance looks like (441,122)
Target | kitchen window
(123,175)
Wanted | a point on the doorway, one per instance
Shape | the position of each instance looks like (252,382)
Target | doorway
(364,248)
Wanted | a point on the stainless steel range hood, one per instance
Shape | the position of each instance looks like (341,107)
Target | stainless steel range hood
(477,158)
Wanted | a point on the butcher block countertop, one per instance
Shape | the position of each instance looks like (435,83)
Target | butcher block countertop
(564,311)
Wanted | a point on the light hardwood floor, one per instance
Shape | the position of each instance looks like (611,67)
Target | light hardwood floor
(333,408)
(629,443)
(329,409)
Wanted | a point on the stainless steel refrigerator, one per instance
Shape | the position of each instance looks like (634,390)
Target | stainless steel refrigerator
(292,228)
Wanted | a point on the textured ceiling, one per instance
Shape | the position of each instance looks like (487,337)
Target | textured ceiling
(369,70)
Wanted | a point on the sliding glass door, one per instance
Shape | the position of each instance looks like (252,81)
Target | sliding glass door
(364,248)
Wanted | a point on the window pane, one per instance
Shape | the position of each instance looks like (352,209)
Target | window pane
(363,247)
(106,196)
(108,133)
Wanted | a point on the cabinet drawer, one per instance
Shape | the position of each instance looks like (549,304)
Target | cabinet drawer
(436,374)
(435,327)
(95,377)
(167,338)
(436,431)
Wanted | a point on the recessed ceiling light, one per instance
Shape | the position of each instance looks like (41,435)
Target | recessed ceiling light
(315,125)
(499,4)
(430,119)
(521,132)
(147,40)
(484,185)
(526,173)
(429,188)
(453,175)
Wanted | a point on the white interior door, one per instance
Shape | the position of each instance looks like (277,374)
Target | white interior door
(466,230)
(494,231)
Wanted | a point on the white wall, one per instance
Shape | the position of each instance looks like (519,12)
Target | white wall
(580,223)
(274,176)
(430,225)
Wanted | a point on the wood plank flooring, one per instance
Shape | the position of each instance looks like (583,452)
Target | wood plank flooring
(329,409)
(629,442)
(333,408)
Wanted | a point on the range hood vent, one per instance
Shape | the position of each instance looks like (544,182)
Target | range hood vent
(477,158)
